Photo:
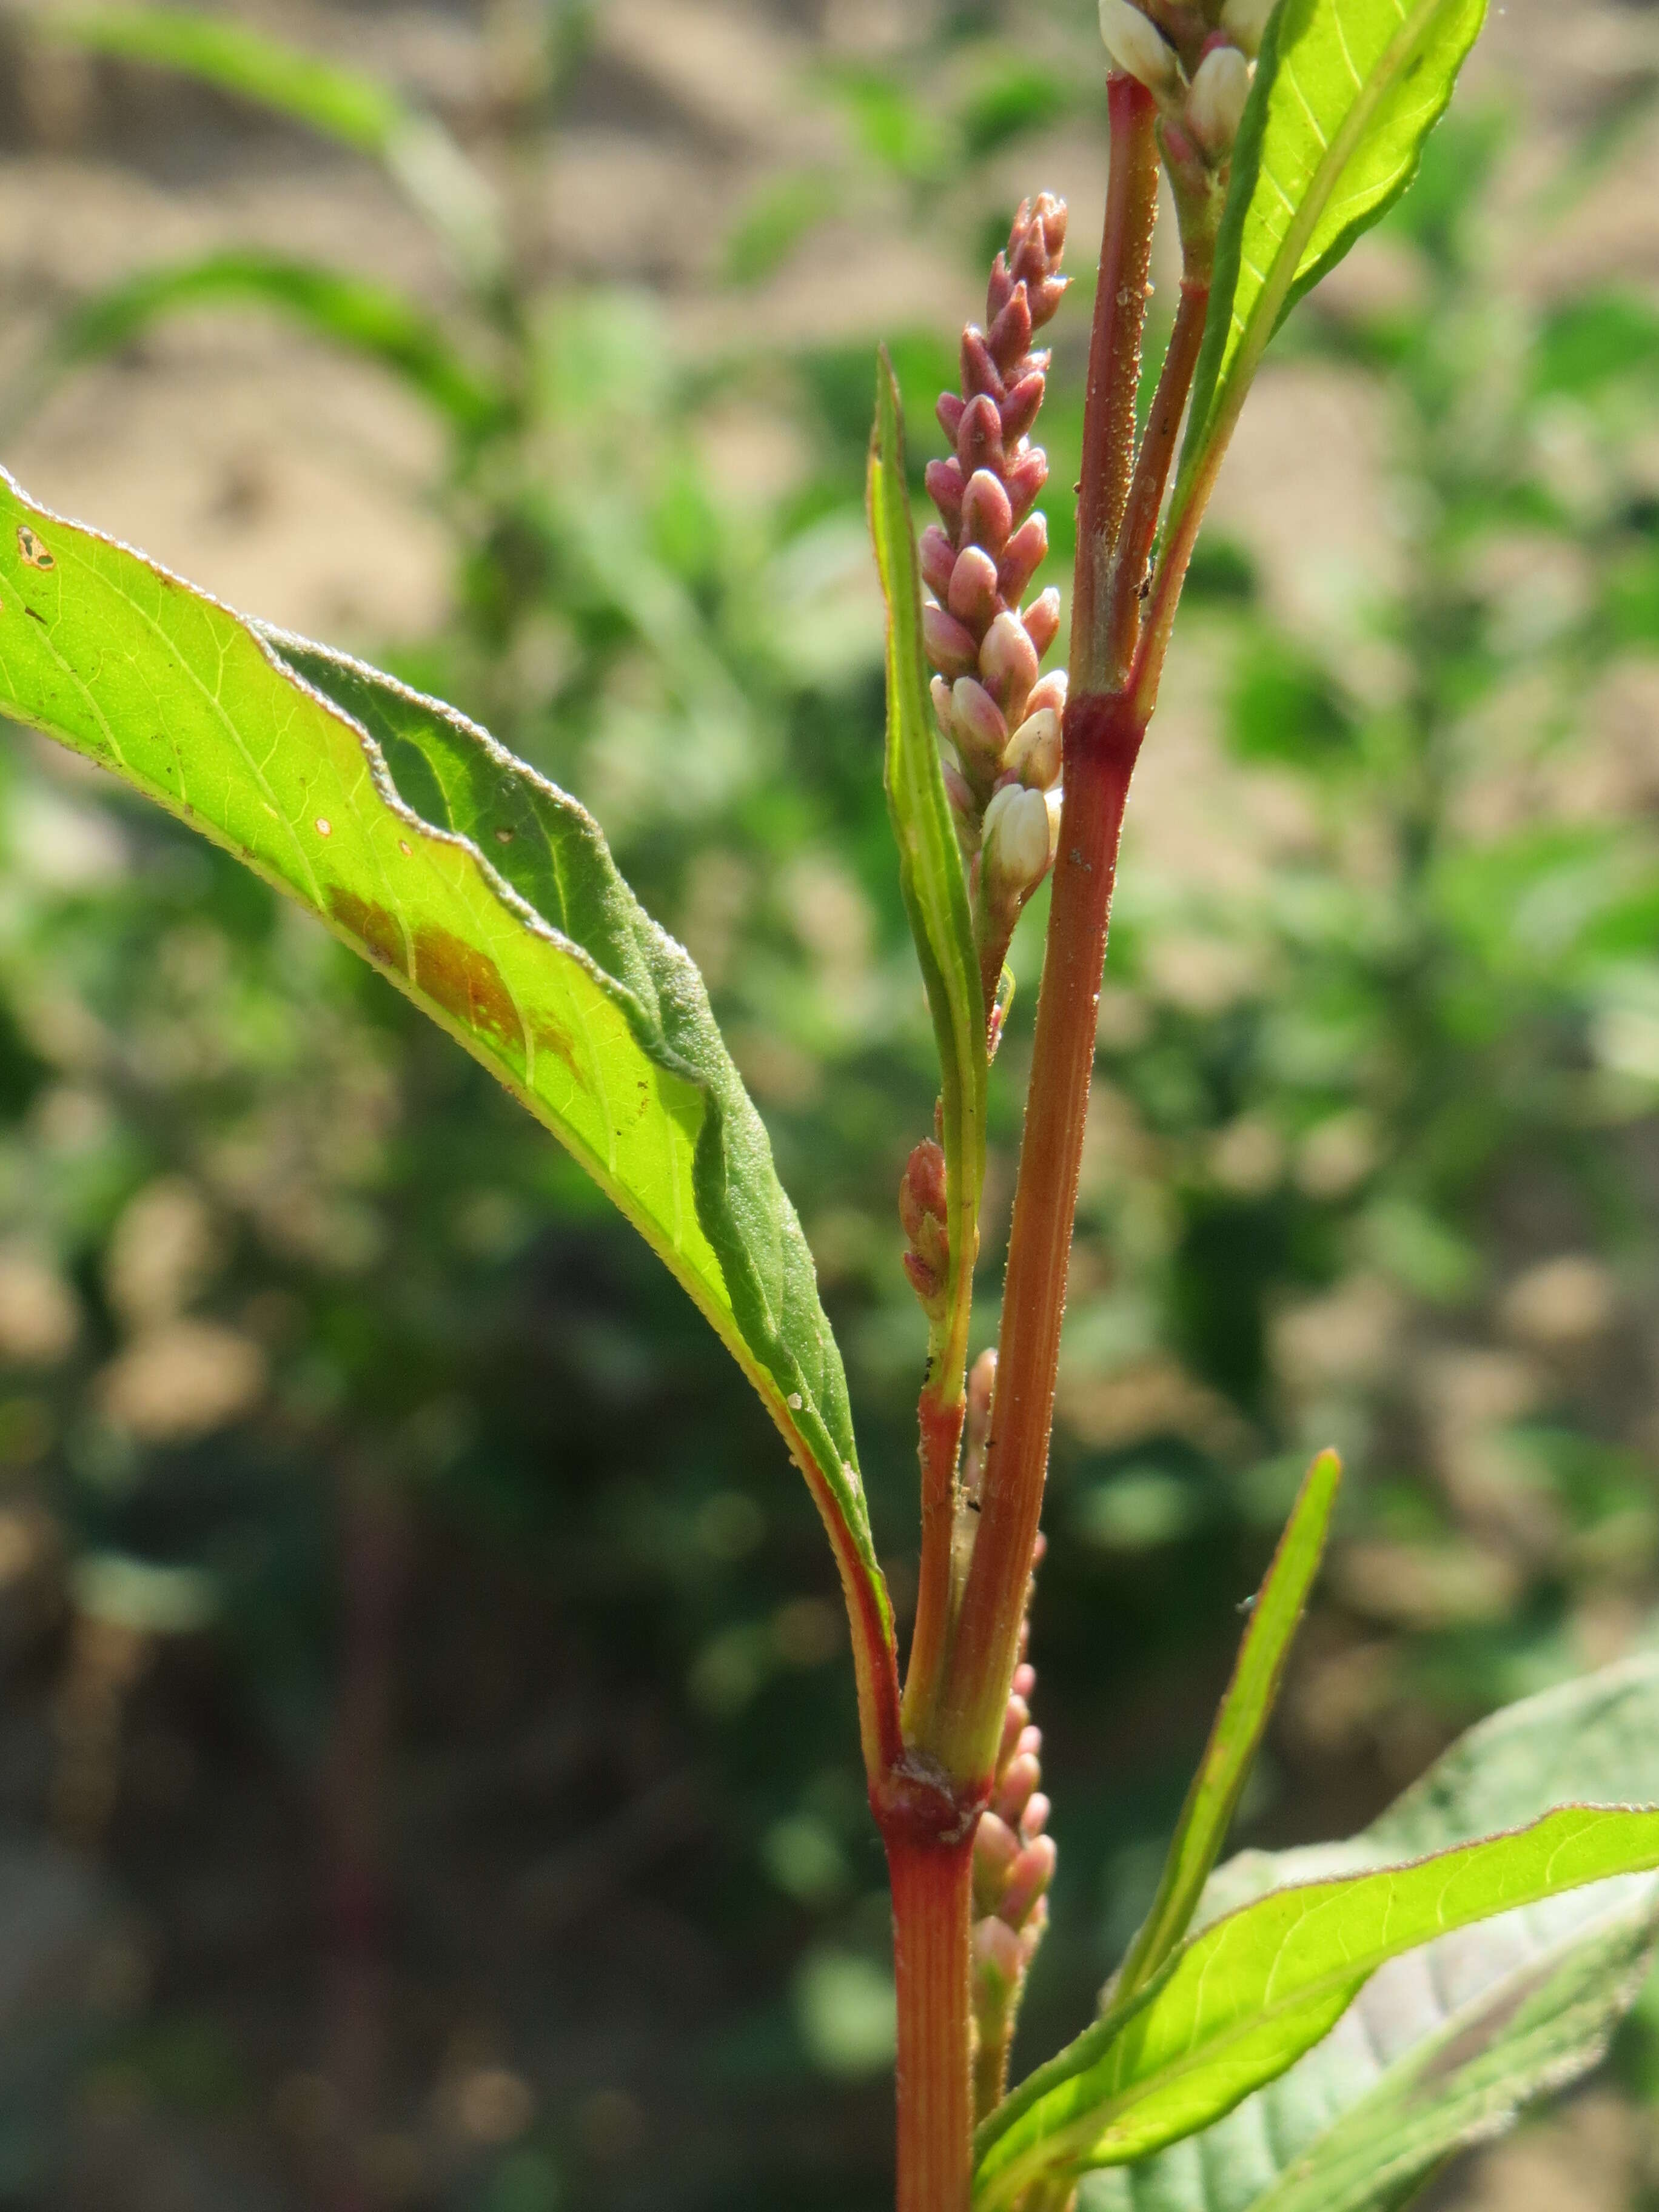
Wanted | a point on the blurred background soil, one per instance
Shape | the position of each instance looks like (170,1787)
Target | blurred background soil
(426,1776)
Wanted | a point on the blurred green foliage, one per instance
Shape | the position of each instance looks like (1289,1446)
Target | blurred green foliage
(310,1337)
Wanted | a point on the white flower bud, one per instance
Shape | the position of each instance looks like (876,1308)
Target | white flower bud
(1033,751)
(1016,845)
(1053,799)
(1246,21)
(1138,47)
(1220,87)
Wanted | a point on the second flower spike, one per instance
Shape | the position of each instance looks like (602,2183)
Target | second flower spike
(999,716)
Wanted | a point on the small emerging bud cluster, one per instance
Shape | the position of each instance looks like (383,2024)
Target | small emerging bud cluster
(999,716)
(925,1217)
(1013,1865)
(1195,57)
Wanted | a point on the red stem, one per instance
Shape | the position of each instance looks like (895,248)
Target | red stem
(1102,739)
(1132,556)
(940,1419)
(933,1883)
(1108,421)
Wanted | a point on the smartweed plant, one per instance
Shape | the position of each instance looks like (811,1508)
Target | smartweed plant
(1327,2025)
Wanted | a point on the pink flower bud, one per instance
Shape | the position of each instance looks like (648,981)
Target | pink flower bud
(1049,690)
(1033,1871)
(999,1962)
(1011,333)
(948,408)
(1043,620)
(996,1847)
(938,558)
(999,290)
(1022,556)
(945,481)
(1016,859)
(979,373)
(1025,476)
(922,1214)
(1033,752)
(1051,212)
(922,1191)
(939,691)
(1024,1678)
(1008,662)
(1215,102)
(978,721)
(973,595)
(1015,1721)
(959,791)
(1038,238)
(1034,1819)
(986,516)
(1020,409)
(979,436)
(1045,298)
(950,647)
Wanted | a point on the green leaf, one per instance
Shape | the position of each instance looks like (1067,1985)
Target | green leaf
(930,860)
(1444,2045)
(338,103)
(1346,93)
(1244,1999)
(350,310)
(1245,1709)
(485,894)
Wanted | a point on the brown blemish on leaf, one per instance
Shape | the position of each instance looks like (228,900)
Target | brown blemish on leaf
(465,983)
(504,837)
(556,1042)
(374,927)
(34,553)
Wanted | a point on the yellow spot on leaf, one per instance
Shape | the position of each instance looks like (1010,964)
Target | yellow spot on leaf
(323,828)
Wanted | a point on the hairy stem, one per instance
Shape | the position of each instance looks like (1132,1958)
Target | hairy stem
(932,1880)
(1108,422)
(1132,560)
(1102,739)
(940,1412)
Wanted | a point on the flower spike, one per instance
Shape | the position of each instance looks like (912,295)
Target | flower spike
(977,561)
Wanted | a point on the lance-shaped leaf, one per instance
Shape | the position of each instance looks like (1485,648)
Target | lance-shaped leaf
(337,102)
(930,859)
(1444,2045)
(1245,1710)
(486,895)
(349,310)
(1346,93)
(1244,1999)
